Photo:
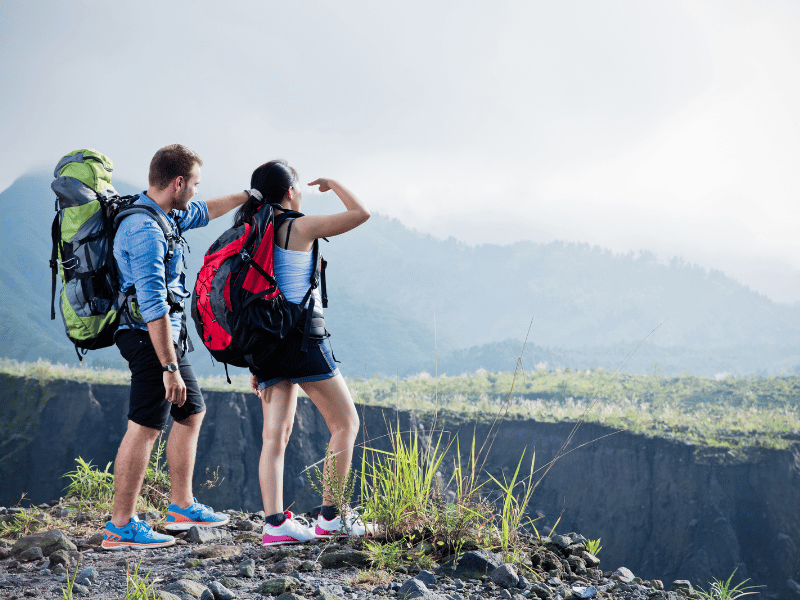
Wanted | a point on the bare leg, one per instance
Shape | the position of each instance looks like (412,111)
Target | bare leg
(279,403)
(334,402)
(129,468)
(181,453)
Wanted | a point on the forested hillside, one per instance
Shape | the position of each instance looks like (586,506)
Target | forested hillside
(403,302)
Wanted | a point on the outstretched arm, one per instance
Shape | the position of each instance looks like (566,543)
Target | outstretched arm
(312,227)
(224,204)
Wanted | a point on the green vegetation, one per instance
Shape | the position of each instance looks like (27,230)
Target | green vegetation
(66,593)
(593,546)
(92,488)
(23,523)
(722,590)
(136,587)
(728,416)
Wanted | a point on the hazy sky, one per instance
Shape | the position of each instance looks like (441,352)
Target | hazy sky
(635,125)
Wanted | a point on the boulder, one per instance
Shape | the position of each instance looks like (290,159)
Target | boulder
(470,565)
(48,541)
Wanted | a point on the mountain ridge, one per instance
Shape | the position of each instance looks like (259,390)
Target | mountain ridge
(419,301)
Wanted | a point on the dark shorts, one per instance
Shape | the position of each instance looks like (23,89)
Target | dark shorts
(288,362)
(148,404)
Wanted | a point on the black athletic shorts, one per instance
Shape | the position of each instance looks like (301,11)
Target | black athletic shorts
(148,403)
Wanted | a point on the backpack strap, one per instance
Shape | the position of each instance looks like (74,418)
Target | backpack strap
(55,232)
(288,233)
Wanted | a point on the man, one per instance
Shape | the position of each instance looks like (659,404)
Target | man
(152,338)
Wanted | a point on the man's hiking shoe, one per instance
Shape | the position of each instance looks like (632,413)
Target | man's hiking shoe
(294,530)
(337,527)
(200,515)
(136,534)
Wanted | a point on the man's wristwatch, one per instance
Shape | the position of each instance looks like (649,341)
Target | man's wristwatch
(171,367)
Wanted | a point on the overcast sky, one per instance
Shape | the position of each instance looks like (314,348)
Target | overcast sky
(634,125)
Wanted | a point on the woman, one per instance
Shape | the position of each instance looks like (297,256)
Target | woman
(278,379)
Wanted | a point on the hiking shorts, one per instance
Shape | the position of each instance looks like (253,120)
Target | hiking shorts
(148,404)
(288,362)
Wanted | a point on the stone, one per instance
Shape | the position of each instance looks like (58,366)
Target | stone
(247,525)
(541,590)
(48,541)
(577,565)
(458,583)
(80,590)
(206,535)
(584,592)
(577,538)
(163,595)
(59,557)
(95,540)
(470,565)
(207,595)
(413,588)
(656,584)
(220,591)
(589,559)
(426,577)
(216,551)
(287,565)
(523,583)
(249,537)
(681,584)
(623,574)
(505,594)
(561,541)
(31,554)
(289,596)
(279,585)
(188,587)
(247,568)
(344,558)
(309,565)
(505,576)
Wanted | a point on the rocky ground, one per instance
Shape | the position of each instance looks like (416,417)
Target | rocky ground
(230,562)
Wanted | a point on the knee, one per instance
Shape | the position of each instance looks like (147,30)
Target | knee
(277,437)
(350,424)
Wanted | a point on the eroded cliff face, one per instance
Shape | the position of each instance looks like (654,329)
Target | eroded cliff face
(659,509)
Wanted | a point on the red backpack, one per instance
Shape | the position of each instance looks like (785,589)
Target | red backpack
(240,313)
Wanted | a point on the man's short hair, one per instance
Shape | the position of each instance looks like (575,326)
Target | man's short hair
(175,160)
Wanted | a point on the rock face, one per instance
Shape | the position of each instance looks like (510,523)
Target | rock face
(659,507)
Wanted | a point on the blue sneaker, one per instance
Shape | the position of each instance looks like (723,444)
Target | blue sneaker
(136,534)
(181,519)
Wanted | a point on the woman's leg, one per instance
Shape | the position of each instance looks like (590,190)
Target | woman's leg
(333,400)
(279,403)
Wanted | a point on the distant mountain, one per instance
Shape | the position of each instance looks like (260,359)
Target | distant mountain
(403,302)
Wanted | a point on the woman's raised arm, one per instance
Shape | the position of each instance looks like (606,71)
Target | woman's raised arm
(311,227)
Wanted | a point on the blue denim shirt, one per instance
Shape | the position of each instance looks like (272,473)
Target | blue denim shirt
(140,250)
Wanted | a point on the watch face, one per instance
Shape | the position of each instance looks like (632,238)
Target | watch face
(171,367)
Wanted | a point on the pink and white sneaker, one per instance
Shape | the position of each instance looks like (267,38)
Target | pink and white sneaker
(356,526)
(291,531)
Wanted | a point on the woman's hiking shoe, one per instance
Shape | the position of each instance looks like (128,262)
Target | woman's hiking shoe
(200,515)
(136,534)
(291,531)
(336,527)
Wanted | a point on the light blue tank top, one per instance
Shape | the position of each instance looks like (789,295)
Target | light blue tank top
(293,272)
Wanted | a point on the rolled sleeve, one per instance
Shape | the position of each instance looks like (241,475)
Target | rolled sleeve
(196,216)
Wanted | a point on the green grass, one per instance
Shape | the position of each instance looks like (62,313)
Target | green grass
(724,418)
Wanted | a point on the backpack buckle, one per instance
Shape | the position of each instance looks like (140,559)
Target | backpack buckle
(245,256)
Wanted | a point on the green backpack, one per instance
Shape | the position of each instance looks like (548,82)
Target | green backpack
(88,212)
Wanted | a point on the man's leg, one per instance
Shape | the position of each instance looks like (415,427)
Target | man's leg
(181,453)
(129,469)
